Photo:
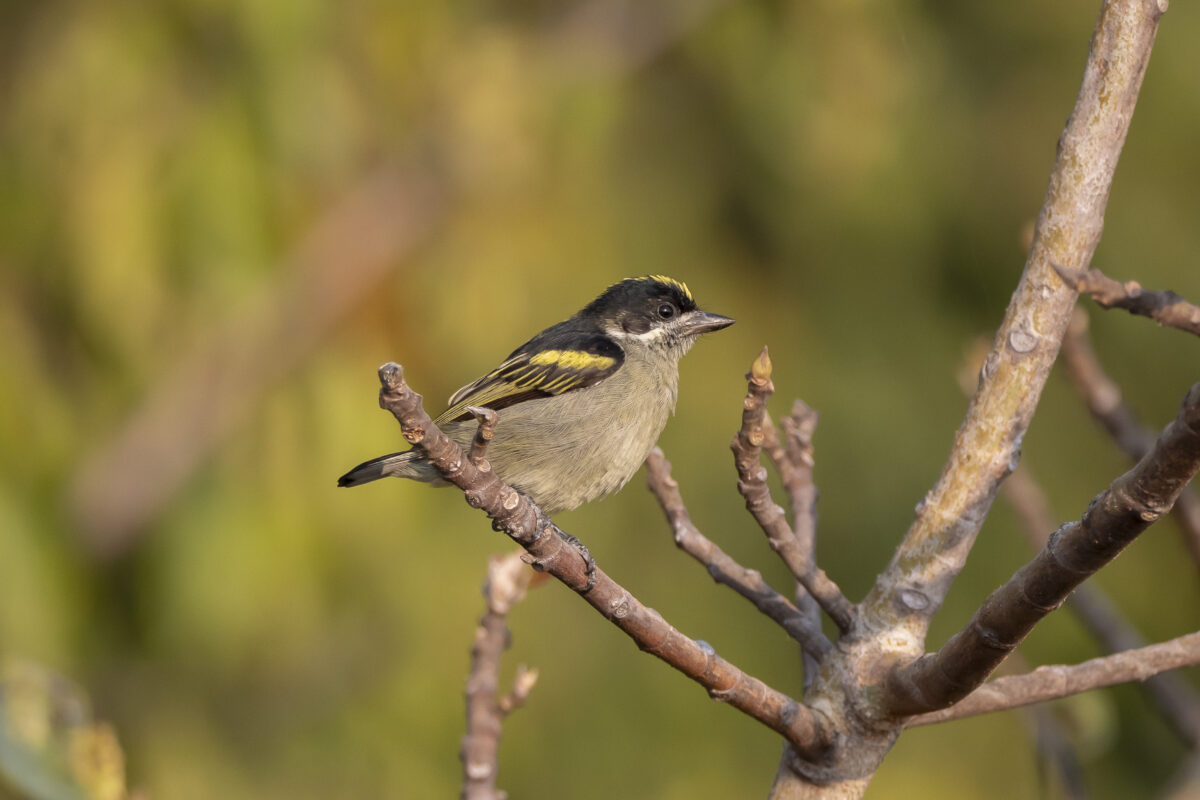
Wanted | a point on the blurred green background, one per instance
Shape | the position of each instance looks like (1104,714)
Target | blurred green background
(218,218)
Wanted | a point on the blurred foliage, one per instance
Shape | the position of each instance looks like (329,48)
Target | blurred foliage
(848,179)
(50,749)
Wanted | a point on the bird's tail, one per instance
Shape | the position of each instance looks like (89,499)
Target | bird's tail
(399,464)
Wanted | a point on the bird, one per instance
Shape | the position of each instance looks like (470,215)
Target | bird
(581,404)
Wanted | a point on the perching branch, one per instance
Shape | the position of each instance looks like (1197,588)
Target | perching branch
(1052,682)
(507,579)
(1074,552)
(1103,398)
(549,550)
(752,483)
(725,570)
(1164,307)
(911,590)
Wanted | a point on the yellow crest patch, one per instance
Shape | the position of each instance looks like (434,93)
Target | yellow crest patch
(668,281)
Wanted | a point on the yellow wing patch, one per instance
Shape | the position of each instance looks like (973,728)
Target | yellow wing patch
(571,359)
(526,376)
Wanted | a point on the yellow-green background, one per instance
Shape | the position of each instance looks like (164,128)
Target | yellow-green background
(850,180)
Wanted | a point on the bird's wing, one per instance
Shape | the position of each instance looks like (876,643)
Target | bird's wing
(538,371)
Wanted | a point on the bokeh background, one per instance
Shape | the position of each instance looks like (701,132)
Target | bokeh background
(218,217)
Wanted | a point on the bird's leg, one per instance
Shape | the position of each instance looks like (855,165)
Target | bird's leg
(583,551)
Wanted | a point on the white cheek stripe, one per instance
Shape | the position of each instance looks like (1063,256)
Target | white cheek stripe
(652,335)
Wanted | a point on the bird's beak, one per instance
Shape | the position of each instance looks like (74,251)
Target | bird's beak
(698,322)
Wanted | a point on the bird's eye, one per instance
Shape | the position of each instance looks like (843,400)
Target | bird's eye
(666,311)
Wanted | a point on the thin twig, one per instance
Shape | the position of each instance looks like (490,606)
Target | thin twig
(1052,682)
(1077,550)
(725,570)
(752,483)
(1163,306)
(507,579)
(798,429)
(549,550)
(1103,398)
(794,460)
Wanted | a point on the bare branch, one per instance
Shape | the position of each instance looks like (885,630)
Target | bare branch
(1052,682)
(794,460)
(549,551)
(1103,398)
(507,580)
(798,429)
(1077,550)
(724,569)
(1173,696)
(1100,392)
(752,483)
(911,590)
(1164,307)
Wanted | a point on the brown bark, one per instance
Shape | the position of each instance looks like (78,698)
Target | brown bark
(1074,552)
(725,570)
(507,580)
(551,550)
(752,483)
(1163,306)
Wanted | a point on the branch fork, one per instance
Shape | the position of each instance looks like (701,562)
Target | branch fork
(520,518)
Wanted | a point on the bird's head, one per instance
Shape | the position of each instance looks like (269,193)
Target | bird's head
(652,311)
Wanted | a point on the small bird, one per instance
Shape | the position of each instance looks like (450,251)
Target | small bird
(581,404)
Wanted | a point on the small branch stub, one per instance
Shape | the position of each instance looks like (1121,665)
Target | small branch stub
(1164,307)
(486,418)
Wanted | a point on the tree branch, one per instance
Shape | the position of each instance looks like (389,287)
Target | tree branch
(1164,307)
(549,550)
(1103,399)
(794,460)
(507,580)
(752,483)
(1172,695)
(1074,552)
(725,570)
(911,590)
(1052,682)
